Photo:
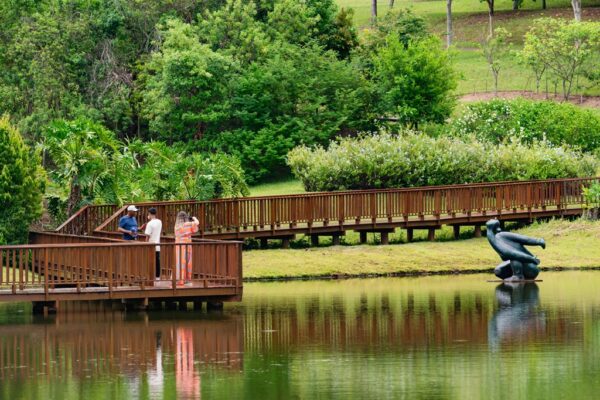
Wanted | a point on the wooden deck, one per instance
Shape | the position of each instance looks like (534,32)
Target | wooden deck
(334,213)
(59,268)
(84,259)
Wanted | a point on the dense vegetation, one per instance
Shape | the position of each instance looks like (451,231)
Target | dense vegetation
(413,159)
(528,121)
(162,99)
(21,184)
(88,164)
(249,78)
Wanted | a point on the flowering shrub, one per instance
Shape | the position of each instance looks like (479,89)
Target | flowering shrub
(500,120)
(414,159)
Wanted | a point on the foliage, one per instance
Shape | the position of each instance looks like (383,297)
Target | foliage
(22,182)
(81,158)
(89,165)
(402,23)
(413,159)
(528,121)
(591,195)
(415,82)
(185,85)
(495,48)
(568,50)
(279,103)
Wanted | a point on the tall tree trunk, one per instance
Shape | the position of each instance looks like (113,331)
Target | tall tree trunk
(373,12)
(391,4)
(74,198)
(490,4)
(448,23)
(515,6)
(543,4)
(576,9)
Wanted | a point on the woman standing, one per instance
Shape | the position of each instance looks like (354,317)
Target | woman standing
(185,227)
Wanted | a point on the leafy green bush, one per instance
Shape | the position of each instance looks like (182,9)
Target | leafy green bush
(500,120)
(89,165)
(21,185)
(413,159)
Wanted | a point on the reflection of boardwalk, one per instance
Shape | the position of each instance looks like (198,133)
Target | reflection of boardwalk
(103,344)
(401,323)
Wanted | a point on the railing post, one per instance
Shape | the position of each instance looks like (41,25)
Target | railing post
(374,207)
(46,273)
(341,207)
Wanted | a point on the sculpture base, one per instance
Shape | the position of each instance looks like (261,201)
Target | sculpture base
(516,281)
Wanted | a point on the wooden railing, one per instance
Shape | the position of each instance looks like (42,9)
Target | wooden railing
(359,205)
(112,265)
(84,221)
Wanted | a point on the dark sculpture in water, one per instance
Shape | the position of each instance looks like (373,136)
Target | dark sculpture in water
(517,262)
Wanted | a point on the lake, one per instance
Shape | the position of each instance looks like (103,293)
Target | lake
(437,337)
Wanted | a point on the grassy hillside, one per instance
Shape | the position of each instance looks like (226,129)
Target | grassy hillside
(435,11)
(470,27)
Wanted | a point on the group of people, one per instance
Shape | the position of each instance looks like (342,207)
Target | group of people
(185,227)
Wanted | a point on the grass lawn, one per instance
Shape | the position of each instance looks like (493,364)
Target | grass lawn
(290,186)
(569,245)
(433,11)
(470,28)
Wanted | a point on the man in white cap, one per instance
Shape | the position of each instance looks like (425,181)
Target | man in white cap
(128,224)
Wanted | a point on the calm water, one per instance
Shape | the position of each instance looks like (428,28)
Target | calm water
(432,337)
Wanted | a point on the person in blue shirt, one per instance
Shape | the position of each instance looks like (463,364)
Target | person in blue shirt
(128,224)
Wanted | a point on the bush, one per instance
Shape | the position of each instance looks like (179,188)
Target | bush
(558,123)
(415,81)
(21,185)
(413,159)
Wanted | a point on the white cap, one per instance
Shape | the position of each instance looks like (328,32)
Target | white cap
(132,208)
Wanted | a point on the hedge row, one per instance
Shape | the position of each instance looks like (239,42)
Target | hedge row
(413,159)
(500,120)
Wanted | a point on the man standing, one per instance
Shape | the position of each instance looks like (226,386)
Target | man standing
(128,224)
(153,231)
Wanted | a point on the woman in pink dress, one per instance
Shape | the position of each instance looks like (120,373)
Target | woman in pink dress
(185,227)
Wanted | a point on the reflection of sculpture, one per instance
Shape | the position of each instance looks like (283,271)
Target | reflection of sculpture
(518,263)
(518,316)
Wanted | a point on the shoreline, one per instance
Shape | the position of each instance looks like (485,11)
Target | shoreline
(404,274)
(571,245)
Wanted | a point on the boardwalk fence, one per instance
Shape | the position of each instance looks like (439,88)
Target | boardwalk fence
(348,207)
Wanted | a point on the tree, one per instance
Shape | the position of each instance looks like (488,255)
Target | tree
(490,4)
(22,182)
(494,49)
(415,82)
(80,156)
(576,4)
(373,12)
(566,49)
(448,23)
(185,85)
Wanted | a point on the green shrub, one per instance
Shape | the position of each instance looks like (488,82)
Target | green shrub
(413,159)
(21,185)
(559,123)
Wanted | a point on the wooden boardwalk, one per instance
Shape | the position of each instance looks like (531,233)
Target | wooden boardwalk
(84,259)
(334,213)
(60,268)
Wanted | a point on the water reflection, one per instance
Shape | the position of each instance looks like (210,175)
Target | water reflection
(435,337)
(151,355)
(518,317)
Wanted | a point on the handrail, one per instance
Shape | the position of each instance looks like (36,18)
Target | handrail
(343,206)
(116,264)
